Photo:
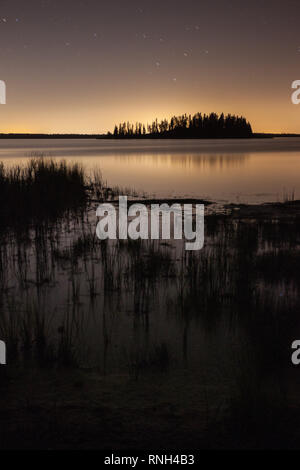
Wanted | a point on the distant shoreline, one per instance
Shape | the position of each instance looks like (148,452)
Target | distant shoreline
(50,136)
(258,135)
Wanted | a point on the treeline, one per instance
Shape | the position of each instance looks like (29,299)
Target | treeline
(187,127)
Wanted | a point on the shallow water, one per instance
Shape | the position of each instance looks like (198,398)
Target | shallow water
(256,170)
(214,327)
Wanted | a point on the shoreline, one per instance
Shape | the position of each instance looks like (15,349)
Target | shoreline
(255,135)
(238,210)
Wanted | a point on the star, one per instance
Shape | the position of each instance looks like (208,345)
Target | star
(157,64)
(4,20)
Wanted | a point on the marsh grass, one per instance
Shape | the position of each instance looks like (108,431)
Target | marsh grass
(43,187)
(133,304)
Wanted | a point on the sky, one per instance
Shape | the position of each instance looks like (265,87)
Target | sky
(82,66)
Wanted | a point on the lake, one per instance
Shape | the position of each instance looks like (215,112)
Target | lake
(254,170)
(142,331)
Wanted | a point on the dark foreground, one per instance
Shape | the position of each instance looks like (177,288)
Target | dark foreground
(140,345)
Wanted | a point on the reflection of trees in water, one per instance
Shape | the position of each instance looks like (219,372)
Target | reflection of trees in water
(213,160)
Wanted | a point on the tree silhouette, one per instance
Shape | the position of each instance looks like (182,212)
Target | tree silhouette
(198,126)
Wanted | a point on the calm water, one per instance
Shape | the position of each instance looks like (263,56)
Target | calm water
(257,170)
(218,316)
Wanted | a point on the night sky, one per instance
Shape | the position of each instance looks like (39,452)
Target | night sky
(81,66)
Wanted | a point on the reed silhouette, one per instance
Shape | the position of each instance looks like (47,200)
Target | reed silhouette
(100,329)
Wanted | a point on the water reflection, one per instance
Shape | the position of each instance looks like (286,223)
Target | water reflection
(215,161)
(255,170)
